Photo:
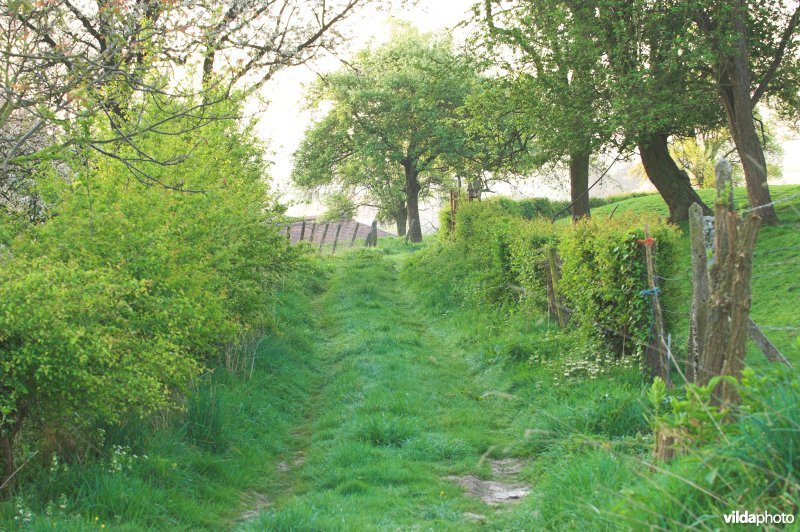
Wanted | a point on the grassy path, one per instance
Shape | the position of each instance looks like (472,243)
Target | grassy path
(396,413)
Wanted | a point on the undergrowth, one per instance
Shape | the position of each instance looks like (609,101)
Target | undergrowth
(585,424)
(201,467)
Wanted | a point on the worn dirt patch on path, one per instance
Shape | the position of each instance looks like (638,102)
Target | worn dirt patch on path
(256,503)
(491,491)
(495,492)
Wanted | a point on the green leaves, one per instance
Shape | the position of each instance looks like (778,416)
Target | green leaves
(396,107)
(119,300)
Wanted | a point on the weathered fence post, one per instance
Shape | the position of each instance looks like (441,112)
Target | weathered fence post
(313,228)
(728,303)
(336,238)
(355,234)
(372,237)
(289,234)
(324,234)
(701,230)
(302,230)
(657,353)
(556,308)
(699,315)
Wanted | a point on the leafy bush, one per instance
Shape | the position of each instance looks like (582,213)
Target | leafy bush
(495,257)
(529,258)
(127,290)
(604,273)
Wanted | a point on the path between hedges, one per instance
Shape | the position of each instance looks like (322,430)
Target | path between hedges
(398,434)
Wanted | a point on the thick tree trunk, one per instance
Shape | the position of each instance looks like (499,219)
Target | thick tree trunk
(412,201)
(400,218)
(579,185)
(734,90)
(673,184)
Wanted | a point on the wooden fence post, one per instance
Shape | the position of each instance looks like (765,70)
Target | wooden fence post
(336,238)
(289,234)
(372,237)
(313,228)
(302,230)
(355,233)
(657,353)
(699,316)
(555,301)
(702,246)
(729,276)
(324,234)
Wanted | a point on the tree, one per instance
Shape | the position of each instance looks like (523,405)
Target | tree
(752,46)
(243,43)
(78,76)
(394,106)
(655,90)
(558,80)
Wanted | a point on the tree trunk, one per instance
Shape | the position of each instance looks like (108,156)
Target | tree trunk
(734,90)
(412,201)
(673,184)
(208,66)
(579,185)
(401,217)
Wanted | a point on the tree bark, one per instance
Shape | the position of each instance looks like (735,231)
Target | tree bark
(412,201)
(734,91)
(579,185)
(400,218)
(673,184)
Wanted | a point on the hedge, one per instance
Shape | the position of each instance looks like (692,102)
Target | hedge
(603,271)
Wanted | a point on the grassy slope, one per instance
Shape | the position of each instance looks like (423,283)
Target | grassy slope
(776,269)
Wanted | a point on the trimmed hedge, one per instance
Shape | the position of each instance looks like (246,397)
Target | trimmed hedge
(502,259)
(604,273)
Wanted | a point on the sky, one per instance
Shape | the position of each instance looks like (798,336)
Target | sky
(282,118)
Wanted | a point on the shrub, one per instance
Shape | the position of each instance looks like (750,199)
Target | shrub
(604,273)
(126,291)
(529,261)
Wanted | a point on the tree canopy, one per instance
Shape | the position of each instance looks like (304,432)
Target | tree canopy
(392,109)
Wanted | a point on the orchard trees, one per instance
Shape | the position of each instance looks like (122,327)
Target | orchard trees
(394,106)
(627,75)
(549,50)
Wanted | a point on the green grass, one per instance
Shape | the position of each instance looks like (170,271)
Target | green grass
(399,411)
(385,377)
